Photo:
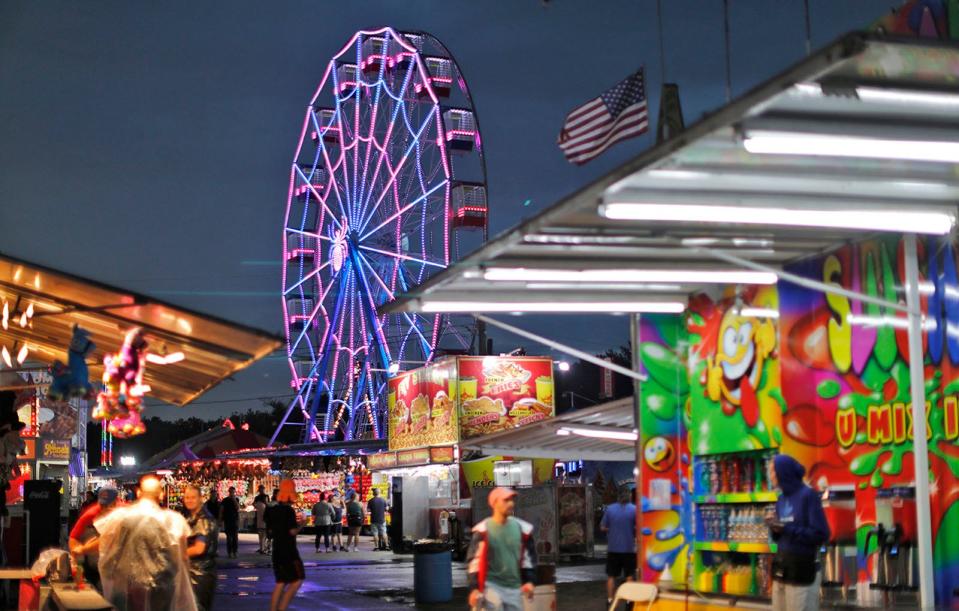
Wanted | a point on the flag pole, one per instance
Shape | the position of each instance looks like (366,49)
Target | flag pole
(729,88)
(662,53)
(808,26)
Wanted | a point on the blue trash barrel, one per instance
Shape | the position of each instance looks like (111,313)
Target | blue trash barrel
(432,572)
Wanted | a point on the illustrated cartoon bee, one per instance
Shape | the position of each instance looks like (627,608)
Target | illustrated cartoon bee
(733,374)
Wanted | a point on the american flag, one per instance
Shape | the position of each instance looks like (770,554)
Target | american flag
(617,114)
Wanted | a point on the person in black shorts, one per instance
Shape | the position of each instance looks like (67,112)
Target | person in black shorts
(619,522)
(281,521)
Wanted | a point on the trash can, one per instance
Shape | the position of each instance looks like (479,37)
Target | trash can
(432,572)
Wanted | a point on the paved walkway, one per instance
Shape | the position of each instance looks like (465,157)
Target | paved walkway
(360,580)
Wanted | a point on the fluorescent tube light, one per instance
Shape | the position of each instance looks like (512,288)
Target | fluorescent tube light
(900,221)
(522,274)
(890,96)
(794,143)
(663,307)
(759,312)
(597,433)
(896,322)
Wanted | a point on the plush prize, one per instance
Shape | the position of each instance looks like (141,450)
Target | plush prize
(73,379)
(121,399)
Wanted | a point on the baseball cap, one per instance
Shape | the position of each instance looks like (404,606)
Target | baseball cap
(107,495)
(497,494)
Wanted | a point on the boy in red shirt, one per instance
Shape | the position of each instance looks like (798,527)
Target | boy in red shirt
(84,539)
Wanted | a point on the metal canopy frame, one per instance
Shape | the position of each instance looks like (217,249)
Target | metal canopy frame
(871,131)
(213,348)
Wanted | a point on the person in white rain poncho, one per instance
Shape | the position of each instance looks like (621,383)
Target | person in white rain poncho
(143,563)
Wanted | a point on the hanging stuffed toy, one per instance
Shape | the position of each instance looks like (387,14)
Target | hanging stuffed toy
(121,399)
(73,379)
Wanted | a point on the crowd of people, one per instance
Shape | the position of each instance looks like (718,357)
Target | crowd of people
(145,557)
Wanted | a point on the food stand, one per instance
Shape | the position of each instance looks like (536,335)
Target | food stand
(435,408)
(798,244)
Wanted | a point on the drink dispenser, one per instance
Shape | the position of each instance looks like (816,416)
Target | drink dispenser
(839,567)
(896,566)
(903,506)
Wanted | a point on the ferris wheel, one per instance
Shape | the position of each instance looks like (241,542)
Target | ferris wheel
(387,187)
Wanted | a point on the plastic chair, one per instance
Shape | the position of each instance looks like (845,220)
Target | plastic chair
(635,592)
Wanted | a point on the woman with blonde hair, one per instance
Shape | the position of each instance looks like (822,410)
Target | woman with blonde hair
(281,521)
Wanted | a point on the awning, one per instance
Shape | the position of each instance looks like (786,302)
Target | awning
(213,348)
(362,447)
(859,138)
(601,432)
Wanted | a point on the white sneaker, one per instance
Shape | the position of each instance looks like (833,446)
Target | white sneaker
(355,550)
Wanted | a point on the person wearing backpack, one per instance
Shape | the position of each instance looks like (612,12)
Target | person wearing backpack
(355,516)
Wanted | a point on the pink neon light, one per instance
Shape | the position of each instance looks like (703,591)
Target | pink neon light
(462,212)
(466,133)
(300,252)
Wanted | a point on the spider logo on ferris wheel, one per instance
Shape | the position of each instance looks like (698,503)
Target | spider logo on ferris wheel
(387,188)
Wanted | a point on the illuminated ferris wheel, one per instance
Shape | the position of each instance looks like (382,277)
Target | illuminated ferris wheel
(387,187)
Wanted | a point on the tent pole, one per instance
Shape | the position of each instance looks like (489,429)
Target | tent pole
(589,358)
(917,383)
(634,326)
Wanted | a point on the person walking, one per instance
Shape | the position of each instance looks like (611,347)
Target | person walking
(336,528)
(355,516)
(619,522)
(501,562)
(322,520)
(282,524)
(213,507)
(203,530)
(143,564)
(259,508)
(230,515)
(266,518)
(377,508)
(799,528)
(84,541)
(261,495)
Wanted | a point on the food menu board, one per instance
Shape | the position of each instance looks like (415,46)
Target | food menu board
(463,397)
(421,408)
(498,393)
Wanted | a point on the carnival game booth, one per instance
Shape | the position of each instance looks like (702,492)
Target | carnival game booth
(316,468)
(432,410)
(782,259)
(61,334)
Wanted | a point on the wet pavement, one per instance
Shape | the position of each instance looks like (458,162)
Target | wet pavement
(360,580)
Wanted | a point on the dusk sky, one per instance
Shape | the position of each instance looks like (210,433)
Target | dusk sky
(148,145)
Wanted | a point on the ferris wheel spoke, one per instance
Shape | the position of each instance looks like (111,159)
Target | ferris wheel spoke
(398,105)
(309,234)
(422,198)
(315,194)
(331,167)
(316,270)
(402,257)
(344,148)
(396,171)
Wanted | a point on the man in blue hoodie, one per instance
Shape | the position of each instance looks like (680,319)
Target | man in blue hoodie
(799,528)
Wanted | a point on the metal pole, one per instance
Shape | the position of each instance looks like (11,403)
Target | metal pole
(634,326)
(808,26)
(729,86)
(589,358)
(662,52)
(917,385)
